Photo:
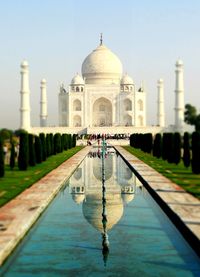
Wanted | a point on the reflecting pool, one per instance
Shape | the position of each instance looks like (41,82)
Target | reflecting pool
(103,225)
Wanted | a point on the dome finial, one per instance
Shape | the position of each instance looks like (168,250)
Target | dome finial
(101,38)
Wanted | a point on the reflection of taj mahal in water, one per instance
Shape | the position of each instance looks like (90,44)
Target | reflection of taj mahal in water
(121,185)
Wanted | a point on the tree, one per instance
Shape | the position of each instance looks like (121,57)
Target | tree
(2,169)
(196,152)
(191,116)
(6,134)
(157,146)
(32,159)
(186,150)
(23,152)
(12,155)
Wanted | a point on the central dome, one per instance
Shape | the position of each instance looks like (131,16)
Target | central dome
(102,66)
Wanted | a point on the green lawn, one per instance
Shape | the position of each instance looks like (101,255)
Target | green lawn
(176,173)
(15,181)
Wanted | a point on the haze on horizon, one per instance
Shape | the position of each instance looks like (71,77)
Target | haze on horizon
(56,36)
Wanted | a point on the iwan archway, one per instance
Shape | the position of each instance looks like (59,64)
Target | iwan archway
(102,112)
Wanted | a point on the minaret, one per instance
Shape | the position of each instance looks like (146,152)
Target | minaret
(25,97)
(179,96)
(160,108)
(43,104)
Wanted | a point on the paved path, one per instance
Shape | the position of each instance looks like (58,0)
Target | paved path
(17,216)
(180,204)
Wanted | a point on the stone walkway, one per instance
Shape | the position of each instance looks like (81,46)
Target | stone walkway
(17,216)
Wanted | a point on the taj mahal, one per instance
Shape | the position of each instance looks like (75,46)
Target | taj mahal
(102,99)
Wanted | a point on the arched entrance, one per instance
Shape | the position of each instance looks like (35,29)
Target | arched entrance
(102,112)
(76,121)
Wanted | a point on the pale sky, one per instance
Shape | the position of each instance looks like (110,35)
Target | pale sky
(55,36)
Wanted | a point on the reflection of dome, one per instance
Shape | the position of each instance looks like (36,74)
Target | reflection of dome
(126,80)
(92,210)
(77,80)
(78,198)
(128,197)
(102,67)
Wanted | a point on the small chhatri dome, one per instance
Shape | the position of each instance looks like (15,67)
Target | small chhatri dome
(43,81)
(102,66)
(179,62)
(77,80)
(126,80)
(160,80)
(24,63)
(127,198)
(78,198)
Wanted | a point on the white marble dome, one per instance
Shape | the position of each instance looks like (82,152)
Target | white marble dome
(126,80)
(77,80)
(102,66)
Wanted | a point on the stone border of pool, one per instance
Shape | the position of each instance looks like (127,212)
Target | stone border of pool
(182,208)
(18,215)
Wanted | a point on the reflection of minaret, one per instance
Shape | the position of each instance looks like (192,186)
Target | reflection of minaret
(25,97)
(43,104)
(179,96)
(161,113)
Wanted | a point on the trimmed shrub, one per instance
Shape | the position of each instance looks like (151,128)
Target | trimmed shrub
(2,168)
(196,152)
(64,137)
(165,146)
(148,142)
(51,143)
(57,143)
(157,146)
(32,159)
(38,150)
(48,145)
(177,148)
(186,149)
(23,152)
(131,139)
(74,140)
(170,147)
(12,155)
(43,146)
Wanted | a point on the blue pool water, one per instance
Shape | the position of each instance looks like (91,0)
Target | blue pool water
(67,239)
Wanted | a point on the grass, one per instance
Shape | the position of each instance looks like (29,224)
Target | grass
(16,181)
(178,174)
